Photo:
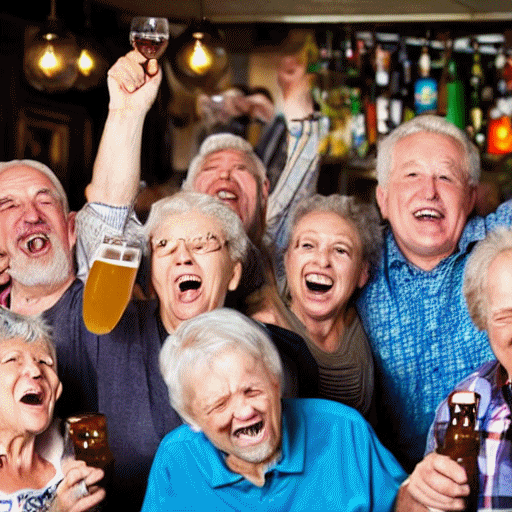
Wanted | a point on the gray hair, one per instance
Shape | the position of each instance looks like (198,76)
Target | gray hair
(27,328)
(430,124)
(38,166)
(219,142)
(183,202)
(364,216)
(476,273)
(199,340)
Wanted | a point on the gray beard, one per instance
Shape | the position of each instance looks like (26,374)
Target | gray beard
(38,272)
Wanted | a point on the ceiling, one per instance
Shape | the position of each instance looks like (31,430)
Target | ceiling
(318,11)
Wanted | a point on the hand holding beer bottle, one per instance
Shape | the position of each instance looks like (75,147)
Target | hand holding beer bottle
(110,283)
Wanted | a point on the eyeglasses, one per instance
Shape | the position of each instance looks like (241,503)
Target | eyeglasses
(202,244)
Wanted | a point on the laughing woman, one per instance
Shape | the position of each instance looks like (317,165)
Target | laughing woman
(333,243)
(32,477)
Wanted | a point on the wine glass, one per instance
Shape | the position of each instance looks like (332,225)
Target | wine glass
(149,36)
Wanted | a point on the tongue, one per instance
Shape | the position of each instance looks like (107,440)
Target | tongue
(36,244)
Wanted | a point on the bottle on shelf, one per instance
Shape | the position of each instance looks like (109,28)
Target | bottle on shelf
(476,112)
(406,83)
(359,142)
(455,97)
(462,439)
(425,87)
(382,73)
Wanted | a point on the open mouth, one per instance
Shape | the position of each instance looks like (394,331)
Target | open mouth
(251,430)
(189,282)
(428,214)
(32,398)
(319,283)
(36,243)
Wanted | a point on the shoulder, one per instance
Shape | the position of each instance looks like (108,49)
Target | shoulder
(324,412)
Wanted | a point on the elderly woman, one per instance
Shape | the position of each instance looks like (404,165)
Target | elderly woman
(438,482)
(333,242)
(33,475)
(197,246)
(245,448)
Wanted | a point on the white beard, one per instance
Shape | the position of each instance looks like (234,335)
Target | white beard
(39,271)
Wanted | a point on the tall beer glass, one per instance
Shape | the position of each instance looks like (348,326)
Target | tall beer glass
(110,283)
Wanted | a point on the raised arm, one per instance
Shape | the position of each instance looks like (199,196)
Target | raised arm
(116,171)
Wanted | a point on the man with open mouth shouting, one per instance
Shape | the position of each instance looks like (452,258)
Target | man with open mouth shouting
(245,448)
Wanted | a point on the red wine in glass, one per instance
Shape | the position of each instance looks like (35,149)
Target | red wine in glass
(149,36)
(152,46)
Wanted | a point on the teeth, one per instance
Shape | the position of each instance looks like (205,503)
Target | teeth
(252,430)
(224,194)
(188,277)
(427,212)
(319,279)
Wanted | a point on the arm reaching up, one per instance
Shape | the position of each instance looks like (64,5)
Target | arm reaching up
(116,171)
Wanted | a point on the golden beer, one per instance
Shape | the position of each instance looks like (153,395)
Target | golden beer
(109,287)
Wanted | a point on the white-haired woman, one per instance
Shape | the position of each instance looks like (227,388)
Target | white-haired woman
(333,243)
(33,474)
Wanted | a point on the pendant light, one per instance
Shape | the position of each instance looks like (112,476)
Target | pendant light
(199,58)
(50,60)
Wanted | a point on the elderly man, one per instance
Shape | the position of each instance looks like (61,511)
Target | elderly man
(438,481)
(245,448)
(226,165)
(413,310)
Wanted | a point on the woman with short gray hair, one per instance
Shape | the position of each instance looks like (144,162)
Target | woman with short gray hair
(333,244)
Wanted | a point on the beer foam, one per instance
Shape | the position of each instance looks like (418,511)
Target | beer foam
(463,397)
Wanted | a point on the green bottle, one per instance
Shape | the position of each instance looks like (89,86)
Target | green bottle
(455,104)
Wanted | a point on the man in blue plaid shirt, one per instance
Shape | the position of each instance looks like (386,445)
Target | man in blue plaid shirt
(412,309)
(437,481)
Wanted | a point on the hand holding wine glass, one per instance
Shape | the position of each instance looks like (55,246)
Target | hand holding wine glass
(150,37)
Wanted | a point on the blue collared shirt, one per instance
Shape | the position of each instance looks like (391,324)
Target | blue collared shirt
(330,460)
(422,336)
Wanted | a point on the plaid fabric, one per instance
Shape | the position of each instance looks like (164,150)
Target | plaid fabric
(422,337)
(494,419)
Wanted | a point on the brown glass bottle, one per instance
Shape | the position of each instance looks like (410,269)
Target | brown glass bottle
(462,439)
(88,433)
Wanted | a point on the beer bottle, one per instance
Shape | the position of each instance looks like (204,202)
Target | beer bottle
(425,88)
(462,439)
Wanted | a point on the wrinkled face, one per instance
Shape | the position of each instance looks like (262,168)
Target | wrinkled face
(230,175)
(191,267)
(29,386)
(499,309)
(236,403)
(34,230)
(324,265)
(427,199)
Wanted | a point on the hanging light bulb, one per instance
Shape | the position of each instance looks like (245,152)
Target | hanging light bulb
(92,63)
(199,58)
(50,58)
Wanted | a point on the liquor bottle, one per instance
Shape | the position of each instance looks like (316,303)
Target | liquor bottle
(382,74)
(359,142)
(462,439)
(425,88)
(476,113)
(455,100)
(396,101)
(406,83)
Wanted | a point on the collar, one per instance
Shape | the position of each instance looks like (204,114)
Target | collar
(211,462)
